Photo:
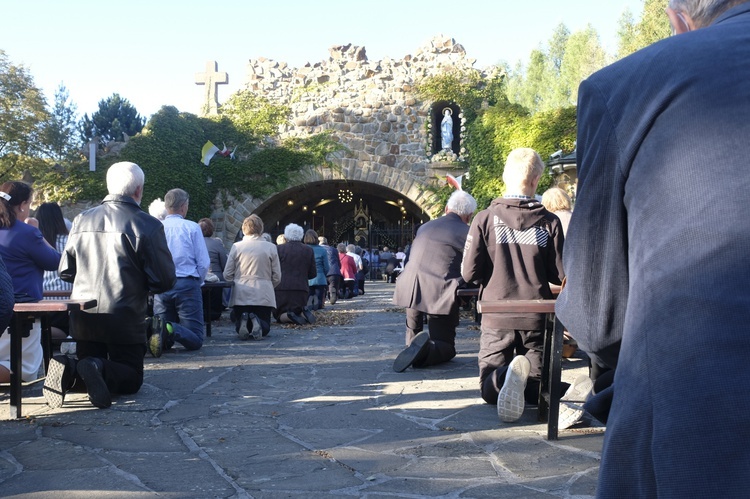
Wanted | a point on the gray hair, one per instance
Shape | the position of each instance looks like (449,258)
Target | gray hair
(293,232)
(174,199)
(341,247)
(703,12)
(124,178)
(350,248)
(267,237)
(523,165)
(322,240)
(461,203)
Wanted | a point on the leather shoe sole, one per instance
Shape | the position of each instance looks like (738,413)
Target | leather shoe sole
(416,348)
(96,387)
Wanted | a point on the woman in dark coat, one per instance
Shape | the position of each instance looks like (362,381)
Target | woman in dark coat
(297,267)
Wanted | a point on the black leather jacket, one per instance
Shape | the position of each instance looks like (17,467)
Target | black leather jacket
(116,254)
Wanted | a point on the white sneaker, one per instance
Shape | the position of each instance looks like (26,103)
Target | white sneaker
(571,404)
(510,400)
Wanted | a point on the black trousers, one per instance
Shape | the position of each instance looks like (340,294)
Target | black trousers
(262,313)
(334,284)
(497,347)
(123,364)
(442,329)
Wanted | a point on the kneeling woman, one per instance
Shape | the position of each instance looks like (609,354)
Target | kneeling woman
(253,265)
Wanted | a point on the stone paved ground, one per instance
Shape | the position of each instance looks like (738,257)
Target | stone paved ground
(312,411)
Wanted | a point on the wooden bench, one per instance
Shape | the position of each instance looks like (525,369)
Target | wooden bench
(549,390)
(24,315)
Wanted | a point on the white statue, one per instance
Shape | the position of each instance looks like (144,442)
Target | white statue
(446,129)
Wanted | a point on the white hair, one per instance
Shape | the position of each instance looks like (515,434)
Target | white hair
(157,209)
(461,203)
(124,178)
(703,12)
(293,232)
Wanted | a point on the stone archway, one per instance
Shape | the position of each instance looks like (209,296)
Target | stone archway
(395,204)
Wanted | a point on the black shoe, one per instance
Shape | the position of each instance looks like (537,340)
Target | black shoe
(309,316)
(156,340)
(91,371)
(242,330)
(59,379)
(416,349)
(296,318)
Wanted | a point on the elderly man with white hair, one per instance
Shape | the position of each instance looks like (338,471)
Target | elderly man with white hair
(428,284)
(116,254)
(297,262)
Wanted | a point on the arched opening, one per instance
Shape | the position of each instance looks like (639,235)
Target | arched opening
(357,212)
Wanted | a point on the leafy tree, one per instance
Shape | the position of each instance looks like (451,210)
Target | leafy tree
(254,114)
(583,56)
(551,79)
(115,117)
(60,135)
(652,27)
(23,113)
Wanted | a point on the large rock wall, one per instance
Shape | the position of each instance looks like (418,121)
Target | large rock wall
(371,106)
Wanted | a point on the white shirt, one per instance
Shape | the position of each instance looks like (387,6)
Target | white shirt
(357,260)
(185,241)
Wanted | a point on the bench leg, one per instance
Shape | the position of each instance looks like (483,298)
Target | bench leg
(549,391)
(207,310)
(19,328)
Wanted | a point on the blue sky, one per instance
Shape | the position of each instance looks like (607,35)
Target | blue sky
(148,51)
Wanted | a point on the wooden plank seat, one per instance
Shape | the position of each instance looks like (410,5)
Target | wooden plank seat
(549,391)
(24,315)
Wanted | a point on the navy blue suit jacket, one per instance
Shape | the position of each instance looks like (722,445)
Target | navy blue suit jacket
(657,258)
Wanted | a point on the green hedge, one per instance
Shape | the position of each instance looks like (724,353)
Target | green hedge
(169,152)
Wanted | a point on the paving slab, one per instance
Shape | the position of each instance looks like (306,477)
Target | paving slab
(312,411)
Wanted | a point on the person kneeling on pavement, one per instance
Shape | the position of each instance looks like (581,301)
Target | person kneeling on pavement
(116,254)
(297,261)
(514,250)
(253,265)
(428,285)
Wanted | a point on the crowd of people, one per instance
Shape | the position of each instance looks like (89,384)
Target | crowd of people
(146,272)
(655,291)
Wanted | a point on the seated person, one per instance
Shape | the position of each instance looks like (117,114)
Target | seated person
(26,255)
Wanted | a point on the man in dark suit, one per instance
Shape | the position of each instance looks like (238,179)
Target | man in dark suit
(656,255)
(428,285)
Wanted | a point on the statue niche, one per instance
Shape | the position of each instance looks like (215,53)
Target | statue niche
(446,127)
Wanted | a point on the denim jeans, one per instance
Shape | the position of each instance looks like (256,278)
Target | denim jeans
(182,306)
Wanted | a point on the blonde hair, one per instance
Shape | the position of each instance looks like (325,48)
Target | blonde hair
(252,225)
(521,168)
(556,199)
